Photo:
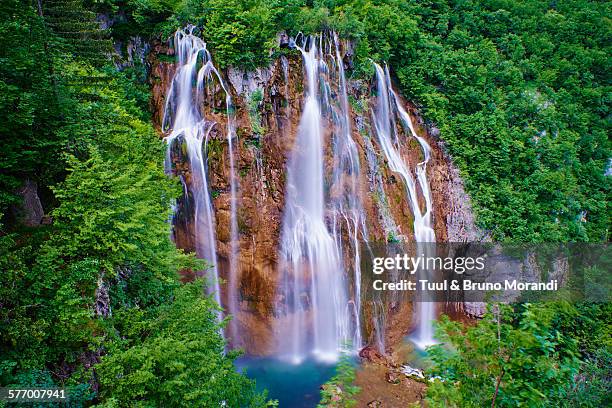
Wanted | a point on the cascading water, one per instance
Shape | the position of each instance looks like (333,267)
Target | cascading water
(388,105)
(346,208)
(185,124)
(233,255)
(324,221)
(321,315)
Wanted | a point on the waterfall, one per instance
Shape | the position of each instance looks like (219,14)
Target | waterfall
(233,277)
(346,208)
(322,316)
(324,223)
(388,105)
(390,228)
(185,124)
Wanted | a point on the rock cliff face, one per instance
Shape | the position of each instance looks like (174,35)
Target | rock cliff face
(268,105)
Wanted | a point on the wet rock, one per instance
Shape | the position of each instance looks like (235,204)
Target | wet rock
(246,82)
(160,77)
(223,219)
(460,223)
(261,162)
(105,21)
(434,132)
(127,54)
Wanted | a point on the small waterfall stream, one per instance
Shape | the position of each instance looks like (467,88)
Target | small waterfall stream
(388,105)
(185,123)
(233,284)
(346,208)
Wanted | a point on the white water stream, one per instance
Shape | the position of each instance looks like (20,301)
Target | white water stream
(388,105)
(323,301)
(184,122)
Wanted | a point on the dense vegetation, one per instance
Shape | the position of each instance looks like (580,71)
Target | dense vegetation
(339,391)
(92,301)
(545,355)
(520,91)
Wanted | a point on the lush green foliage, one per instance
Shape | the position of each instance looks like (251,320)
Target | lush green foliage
(591,386)
(520,92)
(339,391)
(254,116)
(31,106)
(240,32)
(180,362)
(131,18)
(98,286)
(524,356)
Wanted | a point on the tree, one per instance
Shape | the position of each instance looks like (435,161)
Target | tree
(513,356)
(339,390)
(181,362)
(31,106)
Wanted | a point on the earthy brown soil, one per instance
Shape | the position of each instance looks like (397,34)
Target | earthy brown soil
(377,391)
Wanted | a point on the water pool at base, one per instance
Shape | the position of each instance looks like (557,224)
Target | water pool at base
(293,385)
(298,385)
